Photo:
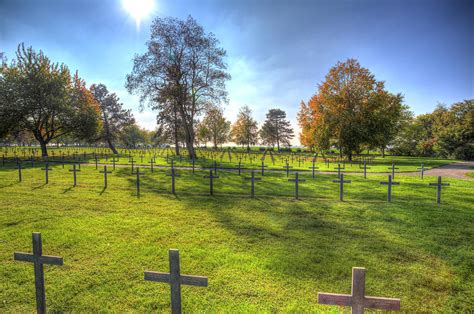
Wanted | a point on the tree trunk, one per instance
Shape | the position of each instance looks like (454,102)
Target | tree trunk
(44,150)
(111,145)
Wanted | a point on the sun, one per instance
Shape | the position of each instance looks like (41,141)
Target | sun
(138,9)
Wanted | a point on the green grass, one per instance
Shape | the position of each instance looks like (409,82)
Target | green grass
(268,254)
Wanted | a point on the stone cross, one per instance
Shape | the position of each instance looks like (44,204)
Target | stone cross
(313,167)
(133,163)
(20,177)
(287,168)
(422,170)
(365,169)
(240,166)
(263,168)
(253,179)
(393,169)
(341,186)
(105,172)
(113,162)
(96,161)
(38,259)
(215,167)
(339,170)
(175,279)
(211,178)
(46,170)
(74,170)
(193,163)
(173,174)
(357,300)
(439,185)
(389,187)
(151,162)
(138,174)
(297,181)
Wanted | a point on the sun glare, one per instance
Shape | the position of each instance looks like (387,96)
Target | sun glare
(138,9)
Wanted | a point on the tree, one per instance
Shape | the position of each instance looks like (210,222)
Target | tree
(217,126)
(133,136)
(350,109)
(42,97)
(182,68)
(245,131)
(276,129)
(170,126)
(203,134)
(114,117)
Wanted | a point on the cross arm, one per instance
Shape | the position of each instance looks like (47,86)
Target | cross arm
(334,299)
(382,303)
(23,257)
(157,276)
(199,281)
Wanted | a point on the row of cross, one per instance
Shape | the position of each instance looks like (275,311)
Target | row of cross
(357,300)
(213,175)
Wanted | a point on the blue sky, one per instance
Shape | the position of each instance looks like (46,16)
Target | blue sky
(278,51)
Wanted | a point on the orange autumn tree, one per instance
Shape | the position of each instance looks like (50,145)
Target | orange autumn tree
(351,110)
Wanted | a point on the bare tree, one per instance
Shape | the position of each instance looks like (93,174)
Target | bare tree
(183,67)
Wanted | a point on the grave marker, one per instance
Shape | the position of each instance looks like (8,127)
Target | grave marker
(105,172)
(297,181)
(357,300)
(438,185)
(46,172)
(138,174)
(175,279)
(341,186)
(20,177)
(389,187)
(393,169)
(253,179)
(74,170)
(422,170)
(287,167)
(211,181)
(38,259)
(313,167)
(173,175)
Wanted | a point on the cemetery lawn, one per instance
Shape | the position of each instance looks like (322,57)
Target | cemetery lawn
(267,254)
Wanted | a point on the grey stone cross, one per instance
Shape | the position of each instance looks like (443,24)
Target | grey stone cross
(20,177)
(393,169)
(422,171)
(133,164)
(365,169)
(297,181)
(211,178)
(389,184)
(341,186)
(253,179)
(74,170)
(263,167)
(339,170)
(138,174)
(438,185)
(38,259)
(287,168)
(175,280)
(105,172)
(357,299)
(313,167)
(151,162)
(113,162)
(46,170)
(173,175)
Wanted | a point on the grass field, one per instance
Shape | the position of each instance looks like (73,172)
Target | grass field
(267,254)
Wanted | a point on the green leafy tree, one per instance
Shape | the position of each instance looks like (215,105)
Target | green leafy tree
(217,125)
(43,98)
(245,130)
(134,136)
(114,117)
(276,129)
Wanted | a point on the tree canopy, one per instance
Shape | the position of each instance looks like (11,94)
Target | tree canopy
(245,130)
(183,68)
(276,129)
(350,110)
(42,97)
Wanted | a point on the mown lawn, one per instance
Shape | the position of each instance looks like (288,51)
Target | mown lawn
(271,253)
